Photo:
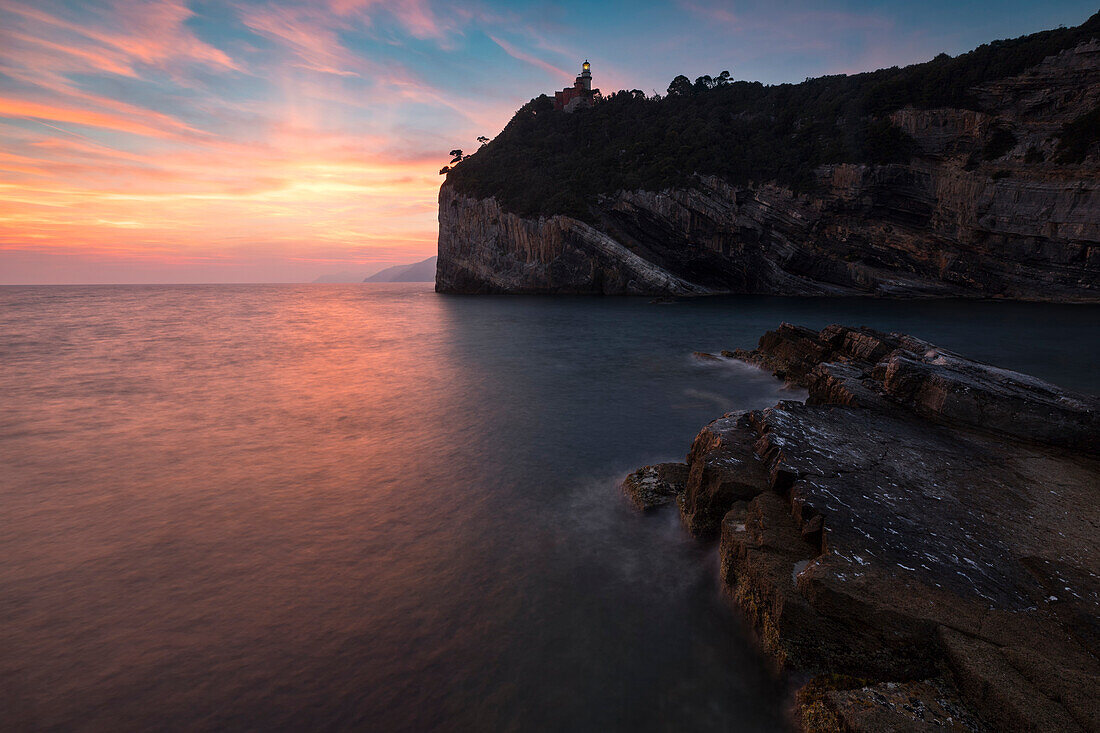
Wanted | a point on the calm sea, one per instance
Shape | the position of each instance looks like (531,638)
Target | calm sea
(374,507)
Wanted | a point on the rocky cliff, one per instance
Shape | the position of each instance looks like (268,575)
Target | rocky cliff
(919,537)
(983,208)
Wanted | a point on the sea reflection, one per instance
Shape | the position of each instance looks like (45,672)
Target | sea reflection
(374,507)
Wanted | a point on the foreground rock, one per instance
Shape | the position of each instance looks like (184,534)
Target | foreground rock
(865,368)
(921,535)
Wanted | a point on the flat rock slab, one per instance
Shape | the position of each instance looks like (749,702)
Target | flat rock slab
(921,517)
(949,509)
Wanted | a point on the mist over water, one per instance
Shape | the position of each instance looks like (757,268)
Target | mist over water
(348,506)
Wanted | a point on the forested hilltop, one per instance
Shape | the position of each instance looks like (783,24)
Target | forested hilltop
(743,132)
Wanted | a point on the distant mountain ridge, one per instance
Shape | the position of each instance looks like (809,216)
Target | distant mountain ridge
(417,272)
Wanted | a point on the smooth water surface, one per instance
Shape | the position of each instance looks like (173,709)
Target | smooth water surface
(374,507)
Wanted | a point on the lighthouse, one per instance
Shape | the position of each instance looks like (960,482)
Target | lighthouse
(581,94)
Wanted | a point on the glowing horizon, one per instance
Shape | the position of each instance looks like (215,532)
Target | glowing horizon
(195,141)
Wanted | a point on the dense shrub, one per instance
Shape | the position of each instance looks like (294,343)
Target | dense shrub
(1078,137)
(1001,140)
(546,162)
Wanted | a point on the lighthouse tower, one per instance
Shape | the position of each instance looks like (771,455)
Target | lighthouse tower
(580,94)
(585,79)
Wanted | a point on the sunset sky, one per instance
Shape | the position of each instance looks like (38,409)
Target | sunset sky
(242,141)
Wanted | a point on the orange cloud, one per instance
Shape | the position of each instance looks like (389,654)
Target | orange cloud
(126,138)
(27,109)
(42,54)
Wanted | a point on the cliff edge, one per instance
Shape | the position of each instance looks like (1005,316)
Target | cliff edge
(1000,199)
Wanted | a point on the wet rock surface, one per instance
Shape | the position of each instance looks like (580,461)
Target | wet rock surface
(865,368)
(722,469)
(901,706)
(924,525)
(653,486)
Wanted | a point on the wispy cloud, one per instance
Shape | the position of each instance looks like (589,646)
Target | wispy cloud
(520,55)
(184,136)
(150,33)
(145,123)
(308,34)
(276,133)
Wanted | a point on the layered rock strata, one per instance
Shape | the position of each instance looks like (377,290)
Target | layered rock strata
(950,222)
(920,536)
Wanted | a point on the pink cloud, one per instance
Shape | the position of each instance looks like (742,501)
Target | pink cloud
(528,58)
(715,13)
(28,109)
(309,34)
(299,165)
(142,32)
(41,53)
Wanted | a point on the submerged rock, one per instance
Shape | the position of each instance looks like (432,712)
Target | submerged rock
(924,520)
(654,486)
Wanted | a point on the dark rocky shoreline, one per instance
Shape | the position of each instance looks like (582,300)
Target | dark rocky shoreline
(920,538)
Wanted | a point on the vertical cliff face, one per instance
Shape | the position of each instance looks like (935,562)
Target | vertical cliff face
(483,249)
(982,209)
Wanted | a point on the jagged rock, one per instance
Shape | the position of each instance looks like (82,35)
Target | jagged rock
(1007,696)
(864,367)
(926,705)
(790,353)
(654,486)
(722,470)
(921,530)
(923,521)
(759,547)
